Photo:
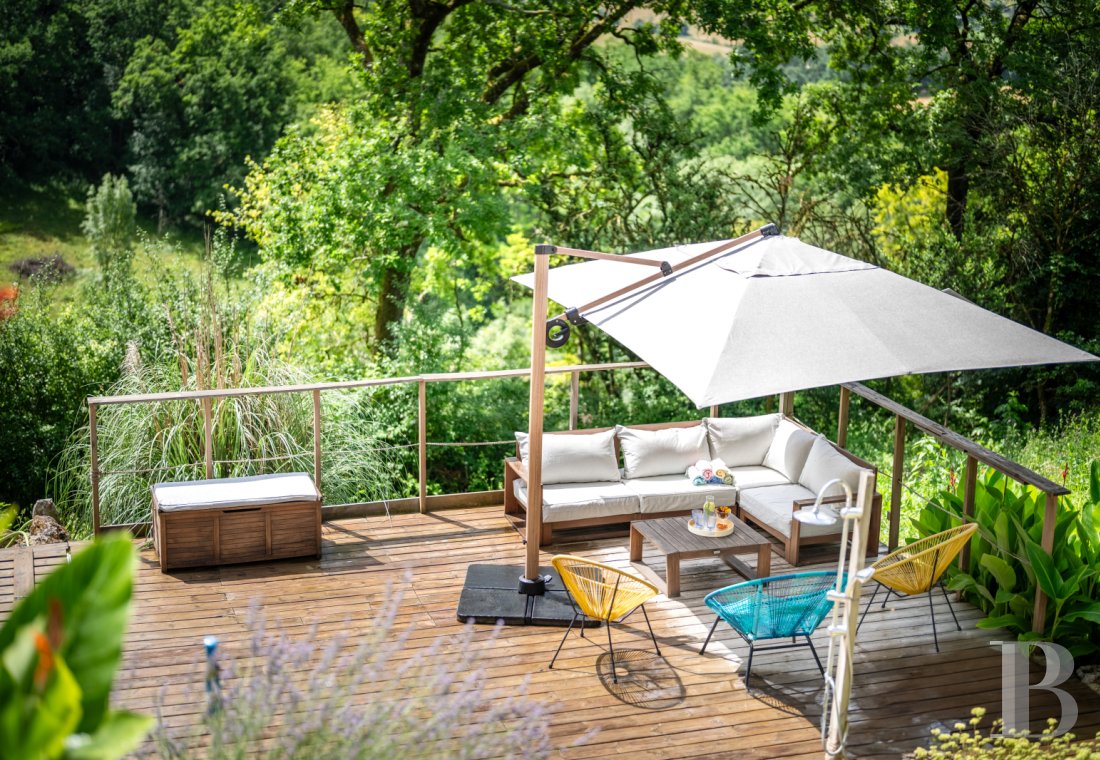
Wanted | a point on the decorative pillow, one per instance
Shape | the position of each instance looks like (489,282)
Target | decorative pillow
(741,441)
(825,463)
(789,450)
(579,458)
(669,451)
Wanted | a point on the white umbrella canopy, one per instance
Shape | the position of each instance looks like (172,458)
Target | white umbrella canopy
(775,314)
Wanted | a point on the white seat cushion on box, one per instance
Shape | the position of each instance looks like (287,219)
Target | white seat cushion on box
(670,493)
(774,506)
(741,441)
(825,463)
(578,501)
(789,449)
(222,493)
(756,477)
(669,451)
(575,458)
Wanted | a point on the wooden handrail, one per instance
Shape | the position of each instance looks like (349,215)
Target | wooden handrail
(1014,470)
(446,377)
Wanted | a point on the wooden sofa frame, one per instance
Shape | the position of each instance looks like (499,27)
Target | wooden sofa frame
(515,470)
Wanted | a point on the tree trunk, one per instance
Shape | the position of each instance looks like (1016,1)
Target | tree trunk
(391,304)
(958,185)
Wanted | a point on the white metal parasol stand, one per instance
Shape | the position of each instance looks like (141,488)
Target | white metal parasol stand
(850,577)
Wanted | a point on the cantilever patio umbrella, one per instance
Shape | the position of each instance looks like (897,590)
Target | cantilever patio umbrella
(759,315)
(774,314)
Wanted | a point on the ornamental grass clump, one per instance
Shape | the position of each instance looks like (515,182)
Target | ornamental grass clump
(145,443)
(362,697)
(966,740)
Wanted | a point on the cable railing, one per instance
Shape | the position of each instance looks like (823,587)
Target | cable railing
(975,452)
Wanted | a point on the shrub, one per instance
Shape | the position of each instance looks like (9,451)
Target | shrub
(968,742)
(284,698)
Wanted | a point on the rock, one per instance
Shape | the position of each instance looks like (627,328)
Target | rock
(44,507)
(47,530)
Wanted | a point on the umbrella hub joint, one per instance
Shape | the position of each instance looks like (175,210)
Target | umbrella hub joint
(768,230)
(575,317)
(545,249)
(666,268)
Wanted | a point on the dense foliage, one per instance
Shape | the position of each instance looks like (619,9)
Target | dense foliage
(392,165)
(1008,566)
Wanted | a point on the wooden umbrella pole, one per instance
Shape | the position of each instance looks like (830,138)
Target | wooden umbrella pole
(535,411)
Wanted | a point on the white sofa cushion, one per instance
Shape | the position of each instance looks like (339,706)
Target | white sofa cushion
(669,451)
(789,449)
(579,501)
(756,477)
(774,506)
(671,493)
(741,441)
(575,458)
(826,463)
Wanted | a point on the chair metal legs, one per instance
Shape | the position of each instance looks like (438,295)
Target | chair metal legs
(931,610)
(647,625)
(610,645)
(717,620)
(563,638)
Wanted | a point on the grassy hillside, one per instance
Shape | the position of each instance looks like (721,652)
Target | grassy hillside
(42,223)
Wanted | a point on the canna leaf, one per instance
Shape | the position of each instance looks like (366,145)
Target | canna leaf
(1001,570)
(1045,574)
(1012,622)
(1090,613)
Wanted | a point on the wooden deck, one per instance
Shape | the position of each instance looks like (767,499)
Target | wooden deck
(684,705)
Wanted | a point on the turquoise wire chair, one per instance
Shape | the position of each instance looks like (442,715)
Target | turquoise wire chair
(774,608)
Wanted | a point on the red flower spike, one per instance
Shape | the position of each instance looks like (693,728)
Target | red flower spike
(1065,473)
(45,661)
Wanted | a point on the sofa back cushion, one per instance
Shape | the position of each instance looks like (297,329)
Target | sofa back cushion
(789,449)
(741,441)
(575,458)
(669,451)
(825,463)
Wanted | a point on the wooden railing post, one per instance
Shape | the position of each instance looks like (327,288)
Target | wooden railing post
(1039,617)
(574,398)
(842,418)
(896,482)
(208,435)
(317,438)
(786,404)
(422,441)
(714,410)
(968,507)
(93,440)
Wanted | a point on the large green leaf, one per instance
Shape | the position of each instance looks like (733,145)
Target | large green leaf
(1090,612)
(1045,573)
(1012,622)
(92,594)
(119,734)
(1001,570)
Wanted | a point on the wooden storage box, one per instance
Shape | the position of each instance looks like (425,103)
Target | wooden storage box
(228,520)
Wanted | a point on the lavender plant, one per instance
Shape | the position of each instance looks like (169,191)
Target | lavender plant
(371,697)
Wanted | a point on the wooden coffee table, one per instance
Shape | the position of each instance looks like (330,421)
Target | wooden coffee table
(672,537)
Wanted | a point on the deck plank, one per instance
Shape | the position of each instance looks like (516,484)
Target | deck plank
(697,707)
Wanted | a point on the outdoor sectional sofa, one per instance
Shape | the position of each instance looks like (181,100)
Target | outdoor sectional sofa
(603,476)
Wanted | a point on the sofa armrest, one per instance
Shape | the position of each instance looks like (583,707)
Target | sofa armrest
(801,503)
(513,471)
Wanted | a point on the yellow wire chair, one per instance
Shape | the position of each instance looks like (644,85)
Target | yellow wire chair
(603,593)
(917,569)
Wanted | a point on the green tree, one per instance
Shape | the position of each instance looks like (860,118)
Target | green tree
(110,225)
(203,98)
